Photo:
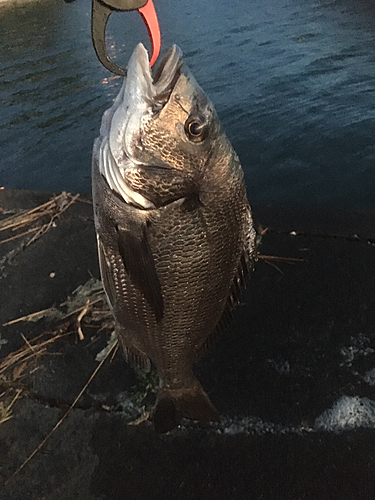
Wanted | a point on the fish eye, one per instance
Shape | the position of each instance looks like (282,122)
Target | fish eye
(196,128)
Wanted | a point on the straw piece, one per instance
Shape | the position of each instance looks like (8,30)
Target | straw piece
(279,259)
(6,411)
(29,317)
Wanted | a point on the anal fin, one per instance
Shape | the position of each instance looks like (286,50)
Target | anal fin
(133,355)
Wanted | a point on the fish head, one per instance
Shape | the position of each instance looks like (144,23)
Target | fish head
(161,141)
(163,119)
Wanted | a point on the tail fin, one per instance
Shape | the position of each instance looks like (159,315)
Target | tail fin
(174,404)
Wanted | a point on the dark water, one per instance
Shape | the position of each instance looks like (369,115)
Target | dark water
(293,82)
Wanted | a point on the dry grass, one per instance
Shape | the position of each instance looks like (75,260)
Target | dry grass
(69,319)
(16,362)
(6,406)
(40,218)
(85,309)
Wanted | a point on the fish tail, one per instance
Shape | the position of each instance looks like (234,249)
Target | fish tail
(174,404)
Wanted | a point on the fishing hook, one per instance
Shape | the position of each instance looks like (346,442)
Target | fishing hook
(102,9)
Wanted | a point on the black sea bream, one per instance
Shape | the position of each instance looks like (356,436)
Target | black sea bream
(174,227)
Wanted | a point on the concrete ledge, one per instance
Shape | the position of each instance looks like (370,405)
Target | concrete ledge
(293,378)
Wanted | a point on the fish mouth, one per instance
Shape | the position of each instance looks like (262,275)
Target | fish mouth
(158,88)
(141,94)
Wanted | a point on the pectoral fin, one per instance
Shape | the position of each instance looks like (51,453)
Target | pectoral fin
(106,273)
(139,263)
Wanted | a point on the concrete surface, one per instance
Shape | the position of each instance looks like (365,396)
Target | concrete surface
(293,378)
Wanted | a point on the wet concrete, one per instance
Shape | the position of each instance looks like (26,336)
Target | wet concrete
(293,378)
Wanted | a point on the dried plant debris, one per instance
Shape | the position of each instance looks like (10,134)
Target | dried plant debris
(85,308)
(92,292)
(65,415)
(12,367)
(7,400)
(38,220)
(51,312)
(80,303)
(135,405)
(271,259)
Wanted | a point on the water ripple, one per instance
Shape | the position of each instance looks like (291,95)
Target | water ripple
(292,82)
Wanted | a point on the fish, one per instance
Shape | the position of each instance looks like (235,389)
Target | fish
(174,228)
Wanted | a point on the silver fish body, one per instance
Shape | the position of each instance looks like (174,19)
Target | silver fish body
(174,227)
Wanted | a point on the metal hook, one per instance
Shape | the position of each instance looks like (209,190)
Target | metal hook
(102,9)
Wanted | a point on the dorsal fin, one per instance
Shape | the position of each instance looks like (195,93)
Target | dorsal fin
(245,266)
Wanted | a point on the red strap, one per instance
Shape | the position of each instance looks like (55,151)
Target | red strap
(151,19)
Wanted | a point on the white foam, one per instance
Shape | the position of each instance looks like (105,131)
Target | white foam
(359,348)
(349,412)
(281,366)
(370,377)
(2,341)
(251,425)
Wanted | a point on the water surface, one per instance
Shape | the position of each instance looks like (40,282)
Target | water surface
(293,82)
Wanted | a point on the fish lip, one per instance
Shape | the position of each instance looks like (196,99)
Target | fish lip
(139,77)
(167,74)
(157,88)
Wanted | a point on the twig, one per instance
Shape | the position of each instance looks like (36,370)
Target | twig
(28,343)
(28,317)
(21,219)
(270,259)
(32,230)
(47,226)
(279,259)
(116,345)
(41,313)
(7,411)
(18,392)
(85,308)
(24,354)
(54,208)
(80,308)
